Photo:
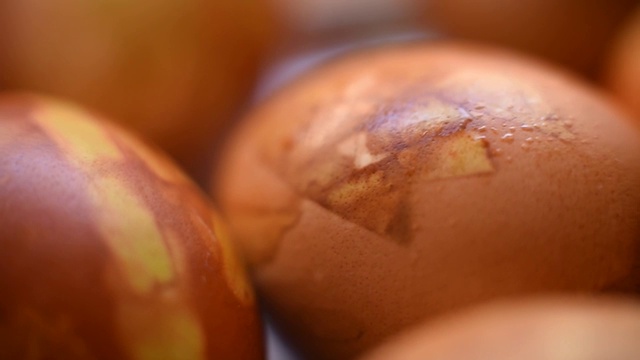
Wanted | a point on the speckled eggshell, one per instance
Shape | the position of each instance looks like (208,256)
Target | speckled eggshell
(108,251)
(541,329)
(622,73)
(403,182)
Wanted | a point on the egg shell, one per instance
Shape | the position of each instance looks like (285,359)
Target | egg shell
(622,74)
(400,183)
(108,250)
(573,33)
(175,71)
(540,329)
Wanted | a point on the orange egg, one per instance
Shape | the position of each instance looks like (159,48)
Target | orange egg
(573,33)
(108,250)
(622,74)
(175,71)
(541,329)
(400,183)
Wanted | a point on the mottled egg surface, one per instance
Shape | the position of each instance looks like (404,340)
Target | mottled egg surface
(109,251)
(403,182)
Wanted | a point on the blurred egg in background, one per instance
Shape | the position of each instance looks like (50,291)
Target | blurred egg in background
(541,328)
(622,73)
(176,71)
(572,33)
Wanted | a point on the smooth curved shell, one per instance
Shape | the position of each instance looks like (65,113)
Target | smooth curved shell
(108,251)
(622,73)
(542,329)
(400,183)
(176,71)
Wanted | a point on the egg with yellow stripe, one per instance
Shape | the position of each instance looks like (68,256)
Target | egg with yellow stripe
(108,251)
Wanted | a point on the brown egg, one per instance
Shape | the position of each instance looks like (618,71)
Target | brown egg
(108,251)
(623,69)
(400,183)
(176,71)
(573,33)
(541,329)
(311,18)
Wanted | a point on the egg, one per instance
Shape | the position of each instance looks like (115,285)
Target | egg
(311,18)
(622,73)
(108,250)
(541,329)
(402,182)
(572,33)
(175,71)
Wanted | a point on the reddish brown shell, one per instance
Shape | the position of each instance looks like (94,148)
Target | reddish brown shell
(108,251)
(540,329)
(400,183)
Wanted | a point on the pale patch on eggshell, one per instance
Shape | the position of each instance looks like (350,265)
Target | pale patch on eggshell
(430,117)
(234,269)
(144,259)
(355,147)
(84,141)
(459,154)
(366,200)
(356,99)
(154,319)
(135,240)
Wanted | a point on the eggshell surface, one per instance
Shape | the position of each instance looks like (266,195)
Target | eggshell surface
(401,183)
(108,250)
(549,329)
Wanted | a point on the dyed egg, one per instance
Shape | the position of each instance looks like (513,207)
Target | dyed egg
(573,33)
(549,329)
(175,71)
(622,73)
(400,183)
(108,251)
